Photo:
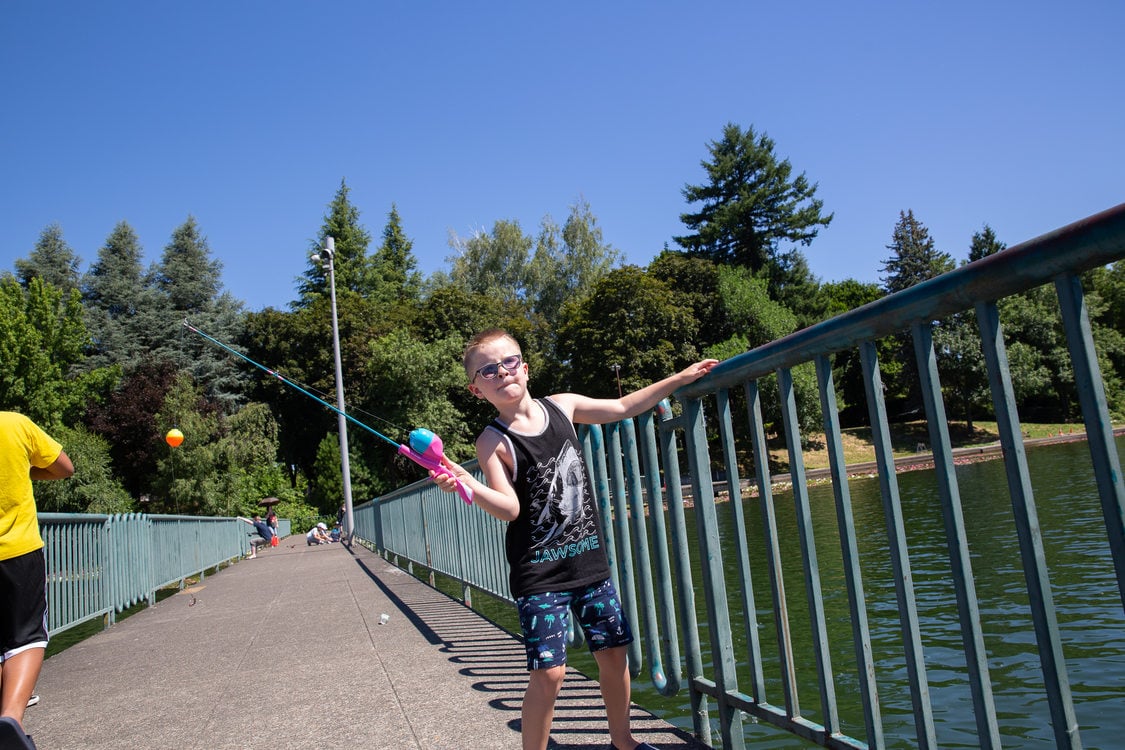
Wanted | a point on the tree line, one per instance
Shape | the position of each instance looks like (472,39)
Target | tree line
(103,359)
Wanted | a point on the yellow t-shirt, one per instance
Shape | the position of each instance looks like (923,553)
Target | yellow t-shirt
(22,445)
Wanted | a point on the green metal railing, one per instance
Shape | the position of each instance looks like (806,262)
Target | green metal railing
(99,566)
(652,567)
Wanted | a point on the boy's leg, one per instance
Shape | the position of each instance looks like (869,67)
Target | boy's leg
(17,681)
(538,710)
(607,631)
(23,629)
(613,677)
(543,620)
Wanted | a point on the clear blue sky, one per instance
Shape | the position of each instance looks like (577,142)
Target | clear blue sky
(247,115)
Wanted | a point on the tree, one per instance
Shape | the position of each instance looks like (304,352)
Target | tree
(957,347)
(960,361)
(494,264)
(414,383)
(395,267)
(352,267)
(696,283)
(632,319)
(247,453)
(192,478)
(326,484)
(1108,321)
(1039,363)
(52,260)
(187,284)
(127,421)
(984,243)
(42,338)
(567,261)
(752,207)
(119,306)
(914,258)
(837,298)
(93,488)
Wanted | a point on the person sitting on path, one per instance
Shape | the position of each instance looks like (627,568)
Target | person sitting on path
(318,535)
(264,537)
(537,482)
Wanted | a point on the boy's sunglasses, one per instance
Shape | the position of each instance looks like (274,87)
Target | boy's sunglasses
(510,363)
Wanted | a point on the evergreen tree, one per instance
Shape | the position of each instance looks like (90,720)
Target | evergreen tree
(752,208)
(187,285)
(119,306)
(353,268)
(914,258)
(984,243)
(52,260)
(398,280)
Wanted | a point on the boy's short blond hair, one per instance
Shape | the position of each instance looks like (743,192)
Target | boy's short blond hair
(482,338)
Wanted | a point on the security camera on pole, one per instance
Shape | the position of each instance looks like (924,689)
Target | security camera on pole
(327,258)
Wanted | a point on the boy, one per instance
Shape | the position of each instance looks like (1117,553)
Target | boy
(26,453)
(536,481)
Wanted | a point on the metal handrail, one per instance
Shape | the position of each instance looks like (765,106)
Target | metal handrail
(420,525)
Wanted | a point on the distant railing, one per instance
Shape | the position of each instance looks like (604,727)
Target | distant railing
(99,566)
(419,524)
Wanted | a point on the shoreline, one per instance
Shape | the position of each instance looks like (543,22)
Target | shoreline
(912,462)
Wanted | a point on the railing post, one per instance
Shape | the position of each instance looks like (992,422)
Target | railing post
(718,611)
(1056,682)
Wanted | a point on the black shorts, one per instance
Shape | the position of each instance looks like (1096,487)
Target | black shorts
(23,618)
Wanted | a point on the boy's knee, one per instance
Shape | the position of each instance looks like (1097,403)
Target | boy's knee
(550,679)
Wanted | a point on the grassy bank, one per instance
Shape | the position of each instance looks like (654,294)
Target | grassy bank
(906,438)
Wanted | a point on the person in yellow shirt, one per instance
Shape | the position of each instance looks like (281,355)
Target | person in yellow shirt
(26,453)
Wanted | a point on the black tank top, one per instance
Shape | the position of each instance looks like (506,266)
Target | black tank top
(556,542)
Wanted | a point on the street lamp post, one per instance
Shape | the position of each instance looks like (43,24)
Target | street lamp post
(617,371)
(327,258)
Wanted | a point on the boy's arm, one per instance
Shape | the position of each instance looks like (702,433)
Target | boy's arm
(586,410)
(60,468)
(497,497)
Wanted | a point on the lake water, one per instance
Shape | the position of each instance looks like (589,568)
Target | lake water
(1088,606)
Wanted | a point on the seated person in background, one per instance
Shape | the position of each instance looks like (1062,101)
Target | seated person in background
(336,533)
(318,535)
(264,537)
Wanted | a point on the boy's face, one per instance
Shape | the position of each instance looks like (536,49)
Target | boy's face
(505,384)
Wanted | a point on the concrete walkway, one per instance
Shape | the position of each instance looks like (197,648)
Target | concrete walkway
(287,651)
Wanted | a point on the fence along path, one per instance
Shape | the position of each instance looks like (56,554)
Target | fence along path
(287,651)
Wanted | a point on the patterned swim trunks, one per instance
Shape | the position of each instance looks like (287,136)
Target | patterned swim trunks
(544,619)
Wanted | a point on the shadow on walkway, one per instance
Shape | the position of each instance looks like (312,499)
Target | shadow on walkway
(289,651)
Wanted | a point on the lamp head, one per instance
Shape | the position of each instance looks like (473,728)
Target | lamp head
(326,253)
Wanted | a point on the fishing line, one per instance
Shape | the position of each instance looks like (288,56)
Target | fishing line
(423,446)
(290,383)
